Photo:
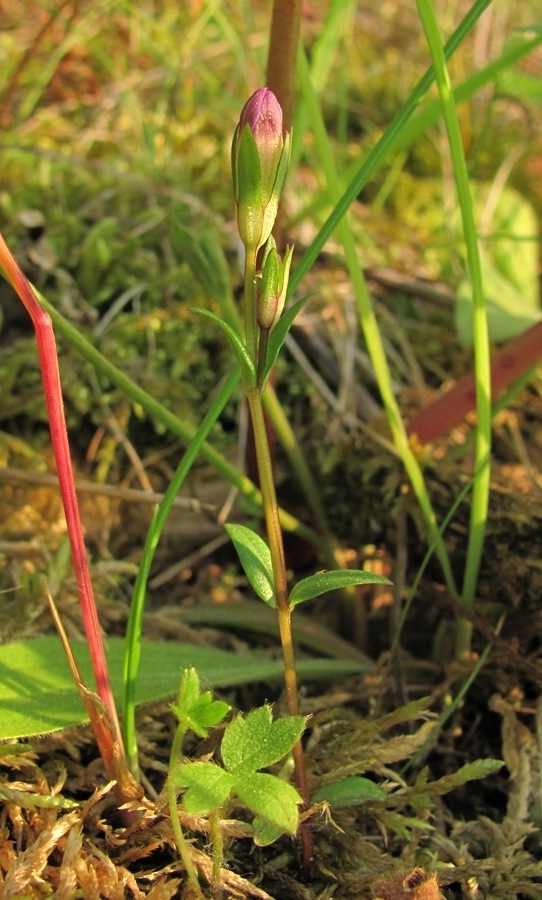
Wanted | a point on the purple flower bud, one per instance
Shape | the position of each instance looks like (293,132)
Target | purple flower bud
(260,157)
(263,115)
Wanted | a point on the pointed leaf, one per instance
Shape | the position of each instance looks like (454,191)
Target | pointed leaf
(322,582)
(208,785)
(349,792)
(274,800)
(280,332)
(255,558)
(238,348)
(254,741)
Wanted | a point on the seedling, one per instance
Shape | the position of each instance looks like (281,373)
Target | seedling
(250,743)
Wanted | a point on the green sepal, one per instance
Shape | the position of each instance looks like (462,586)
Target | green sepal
(322,582)
(248,370)
(255,558)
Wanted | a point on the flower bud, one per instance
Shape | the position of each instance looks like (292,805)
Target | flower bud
(273,286)
(260,157)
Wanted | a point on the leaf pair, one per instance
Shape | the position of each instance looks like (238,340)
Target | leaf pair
(250,743)
(255,558)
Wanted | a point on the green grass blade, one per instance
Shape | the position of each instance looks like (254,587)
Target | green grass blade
(135,620)
(482,364)
(371,330)
(376,157)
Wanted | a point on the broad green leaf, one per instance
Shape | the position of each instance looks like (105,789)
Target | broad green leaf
(255,741)
(322,582)
(238,348)
(195,710)
(270,797)
(208,785)
(349,792)
(38,694)
(255,558)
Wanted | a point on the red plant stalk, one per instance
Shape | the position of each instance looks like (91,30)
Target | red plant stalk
(507,365)
(48,357)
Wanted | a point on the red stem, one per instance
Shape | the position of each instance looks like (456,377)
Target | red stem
(507,365)
(48,357)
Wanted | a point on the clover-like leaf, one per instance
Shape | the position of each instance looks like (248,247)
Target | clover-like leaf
(255,741)
(322,582)
(197,710)
(208,785)
(255,558)
(271,798)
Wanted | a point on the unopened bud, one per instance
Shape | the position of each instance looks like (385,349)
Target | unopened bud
(260,157)
(273,286)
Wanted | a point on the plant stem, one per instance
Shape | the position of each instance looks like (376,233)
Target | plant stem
(218,852)
(180,841)
(52,388)
(281,60)
(276,547)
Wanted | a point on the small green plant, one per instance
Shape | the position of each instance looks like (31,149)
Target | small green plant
(250,743)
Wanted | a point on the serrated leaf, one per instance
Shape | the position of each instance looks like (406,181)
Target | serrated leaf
(322,582)
(349,792)
(280,332)
(238,348)
(255,558)
(272,799)
(208,785)
(255,741)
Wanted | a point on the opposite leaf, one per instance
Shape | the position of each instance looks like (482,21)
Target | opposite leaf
(254,741)
(255,558)
(322,582)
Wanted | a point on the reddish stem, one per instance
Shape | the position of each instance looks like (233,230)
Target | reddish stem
(57,423)
(507,365)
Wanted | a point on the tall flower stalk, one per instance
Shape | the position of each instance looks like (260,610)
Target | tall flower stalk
(260,157)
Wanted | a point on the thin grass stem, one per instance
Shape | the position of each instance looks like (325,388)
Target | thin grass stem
(482,364)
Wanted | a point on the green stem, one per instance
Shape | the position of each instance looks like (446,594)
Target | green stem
(218,852)
(180,840)
(284,611)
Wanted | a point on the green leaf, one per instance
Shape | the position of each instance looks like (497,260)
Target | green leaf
(38,694)
(255,558)
(195,710)
(270,797)
(255,741)
(280,332)
(349,792)
(322,582)
(264,833)
(208,785)
(238,348)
